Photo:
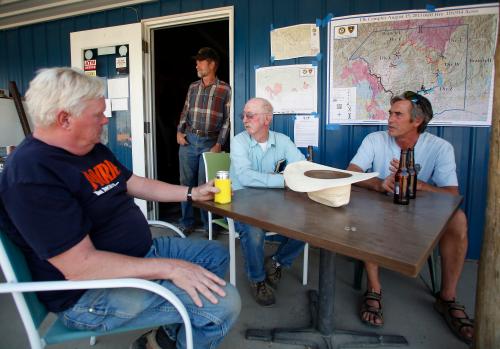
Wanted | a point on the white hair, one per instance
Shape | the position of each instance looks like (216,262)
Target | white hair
(56,89)
(264,104)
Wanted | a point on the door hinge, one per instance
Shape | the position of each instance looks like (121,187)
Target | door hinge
(145,46)
(147,127)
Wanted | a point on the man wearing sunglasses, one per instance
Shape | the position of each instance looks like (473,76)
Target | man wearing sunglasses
(258,157)
(435,160)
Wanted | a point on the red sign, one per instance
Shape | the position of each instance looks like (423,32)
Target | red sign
(89,64)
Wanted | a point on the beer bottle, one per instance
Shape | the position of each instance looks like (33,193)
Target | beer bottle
(401,181)
(412,179)
(309,153)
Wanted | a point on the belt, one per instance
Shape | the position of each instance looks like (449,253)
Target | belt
(202,133)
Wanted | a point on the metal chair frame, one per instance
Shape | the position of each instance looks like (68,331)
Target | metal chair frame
(32,312)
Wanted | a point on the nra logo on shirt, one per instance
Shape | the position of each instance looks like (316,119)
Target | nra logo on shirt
(101,177)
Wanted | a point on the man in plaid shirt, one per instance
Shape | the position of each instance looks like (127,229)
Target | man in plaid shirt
(204,126)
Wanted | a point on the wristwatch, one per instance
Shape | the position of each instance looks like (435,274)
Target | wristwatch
(189,194)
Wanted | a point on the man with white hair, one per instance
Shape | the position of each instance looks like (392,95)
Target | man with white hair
(258,157)
(68,204)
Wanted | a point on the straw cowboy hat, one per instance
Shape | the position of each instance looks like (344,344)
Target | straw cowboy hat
(326,185)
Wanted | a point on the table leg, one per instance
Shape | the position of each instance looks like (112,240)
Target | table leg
(232,251)
(321,332)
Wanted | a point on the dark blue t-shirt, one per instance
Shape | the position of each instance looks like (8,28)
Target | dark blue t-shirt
(54,199)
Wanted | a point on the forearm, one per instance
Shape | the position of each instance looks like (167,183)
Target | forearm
(182,120)
(153,190)
(424,186)
(120,266)
(224,131)
(372,183)
(256,179)
(84,262)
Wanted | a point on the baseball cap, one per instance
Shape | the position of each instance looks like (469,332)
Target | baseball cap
(207,53)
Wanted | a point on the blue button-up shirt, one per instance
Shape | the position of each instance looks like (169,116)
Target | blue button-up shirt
(253,167)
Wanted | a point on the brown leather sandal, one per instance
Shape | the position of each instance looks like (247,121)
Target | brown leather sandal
(456,324)
(367,308)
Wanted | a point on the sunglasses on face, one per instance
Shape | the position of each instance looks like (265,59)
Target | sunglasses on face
(249,116)
(413,97)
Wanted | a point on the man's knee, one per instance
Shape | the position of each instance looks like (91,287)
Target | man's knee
(457,227)
(230,304)
(251,235)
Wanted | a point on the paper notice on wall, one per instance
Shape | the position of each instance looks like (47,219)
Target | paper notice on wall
(306,130)
(119,104)
(118,88)
(107,111)
(300,40)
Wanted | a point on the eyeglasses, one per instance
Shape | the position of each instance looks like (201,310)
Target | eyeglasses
(413,97)
(249,116)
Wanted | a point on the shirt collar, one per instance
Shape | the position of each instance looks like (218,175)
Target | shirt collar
(216,82)
(271,140)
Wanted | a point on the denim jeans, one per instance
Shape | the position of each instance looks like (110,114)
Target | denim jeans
(192,172)
(252,243)
(107,309)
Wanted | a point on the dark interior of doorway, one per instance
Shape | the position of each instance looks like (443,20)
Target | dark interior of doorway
(174,70)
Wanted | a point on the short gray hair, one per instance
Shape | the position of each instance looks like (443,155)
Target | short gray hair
(56,89)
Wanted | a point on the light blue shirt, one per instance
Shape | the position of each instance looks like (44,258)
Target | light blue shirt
(434,155)
(253,167)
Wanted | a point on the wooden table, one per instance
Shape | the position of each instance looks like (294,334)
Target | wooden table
(369,228)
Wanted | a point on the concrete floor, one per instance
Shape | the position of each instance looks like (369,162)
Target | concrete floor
(407,305)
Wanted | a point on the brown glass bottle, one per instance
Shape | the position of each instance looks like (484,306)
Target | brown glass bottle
(401,181)
(412,179)
(309,153)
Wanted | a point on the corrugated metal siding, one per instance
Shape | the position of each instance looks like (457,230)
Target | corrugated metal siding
(24,50)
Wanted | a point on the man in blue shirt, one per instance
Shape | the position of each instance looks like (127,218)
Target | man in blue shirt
(408,117)
(258,157)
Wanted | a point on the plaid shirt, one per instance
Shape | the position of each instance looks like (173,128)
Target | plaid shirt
(207,108)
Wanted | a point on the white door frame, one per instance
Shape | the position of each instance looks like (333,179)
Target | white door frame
(149,25)
(130,34)
(141,76)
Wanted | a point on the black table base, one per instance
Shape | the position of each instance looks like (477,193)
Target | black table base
(321,334)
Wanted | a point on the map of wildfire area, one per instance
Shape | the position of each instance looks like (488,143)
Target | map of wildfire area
(446,55)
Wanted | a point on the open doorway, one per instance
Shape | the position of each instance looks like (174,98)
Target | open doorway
(174,70)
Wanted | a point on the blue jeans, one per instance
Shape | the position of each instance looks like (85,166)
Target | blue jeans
(192,172)
(107,309)
(252,243)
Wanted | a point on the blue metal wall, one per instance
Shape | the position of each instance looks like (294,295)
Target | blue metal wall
(24,50)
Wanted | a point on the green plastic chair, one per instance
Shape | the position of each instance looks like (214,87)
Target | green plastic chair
(19,283)
(215,162)
(221,162)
